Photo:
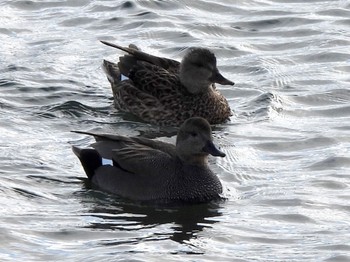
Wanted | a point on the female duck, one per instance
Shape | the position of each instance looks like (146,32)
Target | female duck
(165,92)
(148,170)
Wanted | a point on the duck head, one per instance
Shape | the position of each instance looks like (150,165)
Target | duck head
(198,71)
(195,142)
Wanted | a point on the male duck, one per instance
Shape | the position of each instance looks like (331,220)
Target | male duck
(165,92)
(148,170)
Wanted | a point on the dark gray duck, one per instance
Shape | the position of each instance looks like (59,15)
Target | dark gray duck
(166,92)
(148,170)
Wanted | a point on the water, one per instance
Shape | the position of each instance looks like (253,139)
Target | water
(286,174)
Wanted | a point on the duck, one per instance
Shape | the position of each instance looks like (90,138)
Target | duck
(165,92)
(152,171)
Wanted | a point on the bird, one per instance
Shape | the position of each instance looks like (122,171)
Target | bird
(165,92)
(153,171)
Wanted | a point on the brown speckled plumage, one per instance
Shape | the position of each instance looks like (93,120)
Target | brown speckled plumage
(156,91)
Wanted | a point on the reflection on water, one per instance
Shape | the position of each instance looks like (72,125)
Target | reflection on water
(286,171)
(185,221)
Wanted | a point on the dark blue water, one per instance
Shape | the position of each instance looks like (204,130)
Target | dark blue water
(286,174)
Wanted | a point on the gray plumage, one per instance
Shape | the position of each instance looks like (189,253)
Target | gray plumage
(150,170)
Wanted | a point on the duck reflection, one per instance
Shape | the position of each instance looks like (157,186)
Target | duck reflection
(110,212)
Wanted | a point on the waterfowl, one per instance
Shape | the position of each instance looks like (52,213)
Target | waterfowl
(148,170)
(166,92)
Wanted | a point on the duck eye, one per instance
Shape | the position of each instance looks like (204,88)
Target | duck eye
(198,64)
(193,134)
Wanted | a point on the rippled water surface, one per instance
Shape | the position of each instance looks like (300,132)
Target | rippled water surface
(286,174)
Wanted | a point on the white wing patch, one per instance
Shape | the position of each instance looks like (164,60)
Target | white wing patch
(107,162)
(123,77)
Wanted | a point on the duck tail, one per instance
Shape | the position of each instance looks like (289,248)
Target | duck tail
(137,55)
(112,71)
(89,158)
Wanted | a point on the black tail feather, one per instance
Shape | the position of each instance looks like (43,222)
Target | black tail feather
(90,160)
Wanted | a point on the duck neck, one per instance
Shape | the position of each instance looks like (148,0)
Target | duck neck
(199,160)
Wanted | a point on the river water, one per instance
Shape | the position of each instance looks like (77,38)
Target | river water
(287,170)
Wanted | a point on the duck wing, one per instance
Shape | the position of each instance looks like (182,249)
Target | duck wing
(137,55)
(151,93)
(142,160)
(155,80)
(143,76)
(106,144)
(142,169)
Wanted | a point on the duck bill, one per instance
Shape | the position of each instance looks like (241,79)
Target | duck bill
(211,149)
(220,79)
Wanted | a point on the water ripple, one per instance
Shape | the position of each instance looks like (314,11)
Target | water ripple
(285,175)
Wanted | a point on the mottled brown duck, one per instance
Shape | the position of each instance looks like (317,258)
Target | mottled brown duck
(166,92)
(148,170)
